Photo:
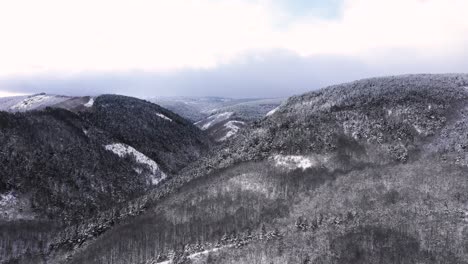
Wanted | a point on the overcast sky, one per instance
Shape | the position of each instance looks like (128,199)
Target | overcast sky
(235,48)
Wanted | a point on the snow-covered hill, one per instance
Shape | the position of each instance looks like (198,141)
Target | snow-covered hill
(30,102)
(154,177)
(42,100)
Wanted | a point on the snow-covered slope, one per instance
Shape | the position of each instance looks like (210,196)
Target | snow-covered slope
(90,103)
(13,207)
(122,150)
(303,162)
(164,117)
(232,128)
(222,126)
(213,120)
(272,111)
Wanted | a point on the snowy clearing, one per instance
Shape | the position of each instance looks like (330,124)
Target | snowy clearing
(294,162)
(123,150)
(215,119)
(194,256)
(14,208)
(418,129)
(272,111)
(206,252)
(7,199)
(233,127)
(30,102)
(90,103)
(164,117)
(247,182)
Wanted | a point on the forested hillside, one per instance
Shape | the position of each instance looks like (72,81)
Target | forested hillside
(165,137)
(366,172)
(60,168)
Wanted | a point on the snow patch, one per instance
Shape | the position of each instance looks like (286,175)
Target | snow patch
(7,199)
(233,128)
(272,111)
(294,162)
(418,129)
(30,102)
(123,150)
(164,117)
(195,256)
(14,208)
(215,119)
(90,103)
(248,182)
(206,252)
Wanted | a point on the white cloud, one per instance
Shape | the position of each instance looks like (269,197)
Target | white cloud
(8,94)
(157,35)
(367,27)
(120,35)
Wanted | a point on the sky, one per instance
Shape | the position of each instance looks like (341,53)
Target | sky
(231,48)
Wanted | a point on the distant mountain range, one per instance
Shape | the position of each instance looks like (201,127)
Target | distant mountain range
(222,118)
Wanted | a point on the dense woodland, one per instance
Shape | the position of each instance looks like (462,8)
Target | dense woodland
(55,169)
(39,148)
(171,143)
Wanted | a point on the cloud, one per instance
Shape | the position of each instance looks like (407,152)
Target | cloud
(277,73)
(9,94)
(223,47)
(107,35)
(111,35)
